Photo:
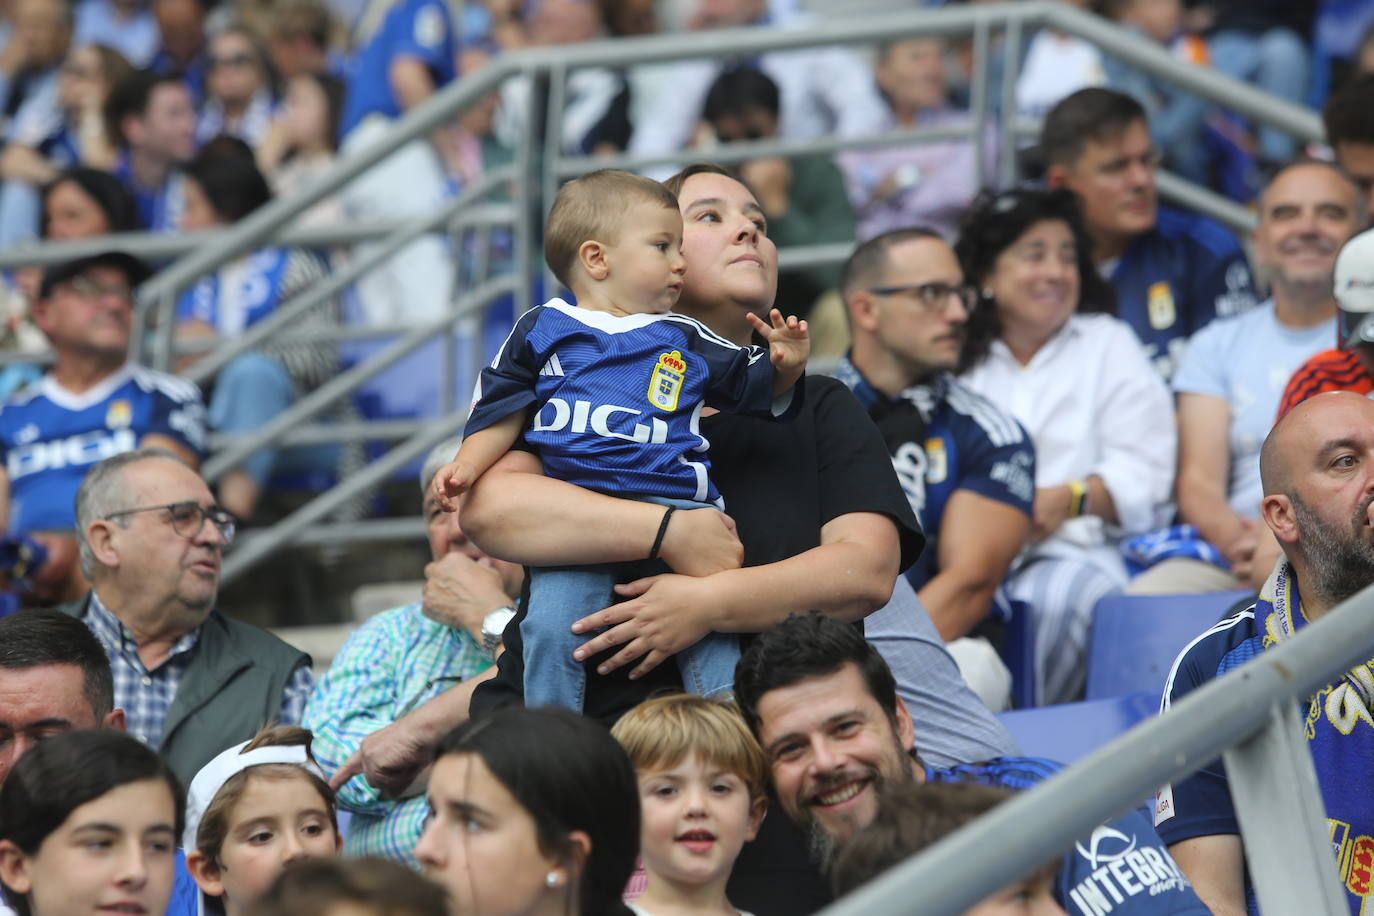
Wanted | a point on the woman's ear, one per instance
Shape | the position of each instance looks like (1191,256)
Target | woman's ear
(14,868)
(206,873)
(579,850)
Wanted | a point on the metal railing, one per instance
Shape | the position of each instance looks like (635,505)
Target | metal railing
(541,166)
(1249,717)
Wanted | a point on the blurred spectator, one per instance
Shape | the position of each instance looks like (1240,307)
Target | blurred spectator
(1260,42)
(1349,367)
(1362,63)
(967,467)
(1177,118)
(189,678)
(239,100)
(299,36)
(1231,380)
(1350,133)
(71,132)
(222,187)
(928,184)
(302,142)
(152,122)
(1316,466)
(410,670)
(126,26)
(92,404)
(802,197)
(1172,272)
(1044,346)
(181,25)
(40,39)
(822,91)
(646,84)
(474,145)
(406,52)
(351,887)
(1057,65)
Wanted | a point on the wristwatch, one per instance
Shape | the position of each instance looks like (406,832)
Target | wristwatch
(493,628)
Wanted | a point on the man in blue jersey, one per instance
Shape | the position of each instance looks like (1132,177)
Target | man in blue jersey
(823,705)
(1318,470)
(1173,272)
(407,53)
(966,466)
(152,122)
(92,404)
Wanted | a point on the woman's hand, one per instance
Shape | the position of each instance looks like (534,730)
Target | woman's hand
(665,615)
(1050,511)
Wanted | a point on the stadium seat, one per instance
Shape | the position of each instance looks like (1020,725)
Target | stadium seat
(1072,730)
(1135,638)
(1018,652)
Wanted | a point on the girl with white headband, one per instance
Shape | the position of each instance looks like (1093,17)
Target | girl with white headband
(252,810)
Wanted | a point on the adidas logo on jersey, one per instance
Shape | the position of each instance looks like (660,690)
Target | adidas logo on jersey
(553,367)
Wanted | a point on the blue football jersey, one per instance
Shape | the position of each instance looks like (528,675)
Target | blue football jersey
(1174,279)
(617,400)
(1121,867)
(418,29)
(51,437)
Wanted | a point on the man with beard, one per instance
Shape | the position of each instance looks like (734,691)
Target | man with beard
(824,706)
(1318,469)
(966,466)
(1232,377)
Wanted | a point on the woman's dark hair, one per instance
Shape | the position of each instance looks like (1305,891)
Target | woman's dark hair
(108,192)
(333,89)
(65,772)
(996,221)
(587,785)
(805,646)
(225,170)
(316,887)
(674,183)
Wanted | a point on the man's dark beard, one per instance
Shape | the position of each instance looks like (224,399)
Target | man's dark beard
(821,845)
(1341,561)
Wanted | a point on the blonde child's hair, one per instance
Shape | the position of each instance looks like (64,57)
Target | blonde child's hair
(660,733)
(214,825)
(592,208)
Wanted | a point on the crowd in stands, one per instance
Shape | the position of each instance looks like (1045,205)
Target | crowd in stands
(738,648)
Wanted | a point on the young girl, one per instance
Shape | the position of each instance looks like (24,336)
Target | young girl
(88,821)
(701,793)
(252,810)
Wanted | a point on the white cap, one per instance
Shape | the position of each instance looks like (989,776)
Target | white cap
(1354,288)
(217,772)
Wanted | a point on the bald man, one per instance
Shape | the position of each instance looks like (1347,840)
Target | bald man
(1317,467)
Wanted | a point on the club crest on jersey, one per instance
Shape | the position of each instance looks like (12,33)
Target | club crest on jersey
(937,462)
(119,416)
(1160,304)
(665,385)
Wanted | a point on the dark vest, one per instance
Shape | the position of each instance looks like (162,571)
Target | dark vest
(232,687)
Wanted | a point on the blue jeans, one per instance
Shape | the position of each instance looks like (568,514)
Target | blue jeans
(561,595)
(1275,61)
(250,391)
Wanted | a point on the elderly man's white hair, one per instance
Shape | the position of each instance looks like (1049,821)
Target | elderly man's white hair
(439,456)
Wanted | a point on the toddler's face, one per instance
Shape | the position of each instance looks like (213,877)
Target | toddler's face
(696,818)
(278,821)
(646,262)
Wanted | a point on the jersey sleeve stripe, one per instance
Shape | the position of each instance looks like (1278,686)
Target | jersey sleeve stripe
(1219,627)
(999,426)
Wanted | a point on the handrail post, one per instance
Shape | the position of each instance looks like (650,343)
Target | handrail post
(978,100)
(1278,805)
(1011,50)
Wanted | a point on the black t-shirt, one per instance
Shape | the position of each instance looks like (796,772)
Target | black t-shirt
(781,483)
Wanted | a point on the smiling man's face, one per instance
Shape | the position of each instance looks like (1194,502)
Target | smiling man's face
(831,747)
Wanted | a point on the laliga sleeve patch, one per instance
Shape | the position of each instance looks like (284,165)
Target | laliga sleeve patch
(429,27)
(1164,803)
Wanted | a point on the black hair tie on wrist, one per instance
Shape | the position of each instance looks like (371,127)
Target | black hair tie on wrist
(662,530)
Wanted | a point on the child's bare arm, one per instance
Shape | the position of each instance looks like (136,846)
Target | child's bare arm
(789,345)
(476,455)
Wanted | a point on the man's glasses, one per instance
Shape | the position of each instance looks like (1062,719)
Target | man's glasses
(231,60)
(188,518)
(932,296)
(89,288)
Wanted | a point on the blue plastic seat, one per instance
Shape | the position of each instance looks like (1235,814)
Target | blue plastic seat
(1136,638)
(1072,730)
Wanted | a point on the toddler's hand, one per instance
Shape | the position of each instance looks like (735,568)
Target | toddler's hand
(453,480)
(789,344)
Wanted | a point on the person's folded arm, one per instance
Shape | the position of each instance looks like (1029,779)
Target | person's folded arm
(850,575)
(979,538)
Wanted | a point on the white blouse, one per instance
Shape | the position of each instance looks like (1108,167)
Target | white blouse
(1092,404)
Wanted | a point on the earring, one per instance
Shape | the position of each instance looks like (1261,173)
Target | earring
(553,879)
(987,293)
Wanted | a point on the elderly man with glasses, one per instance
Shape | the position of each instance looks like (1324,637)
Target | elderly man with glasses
(190,680)
(966,466)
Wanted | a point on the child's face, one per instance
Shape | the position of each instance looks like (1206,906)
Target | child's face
(646,262)
(1032,897)
(696,818)
(277,821)
(113,852)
